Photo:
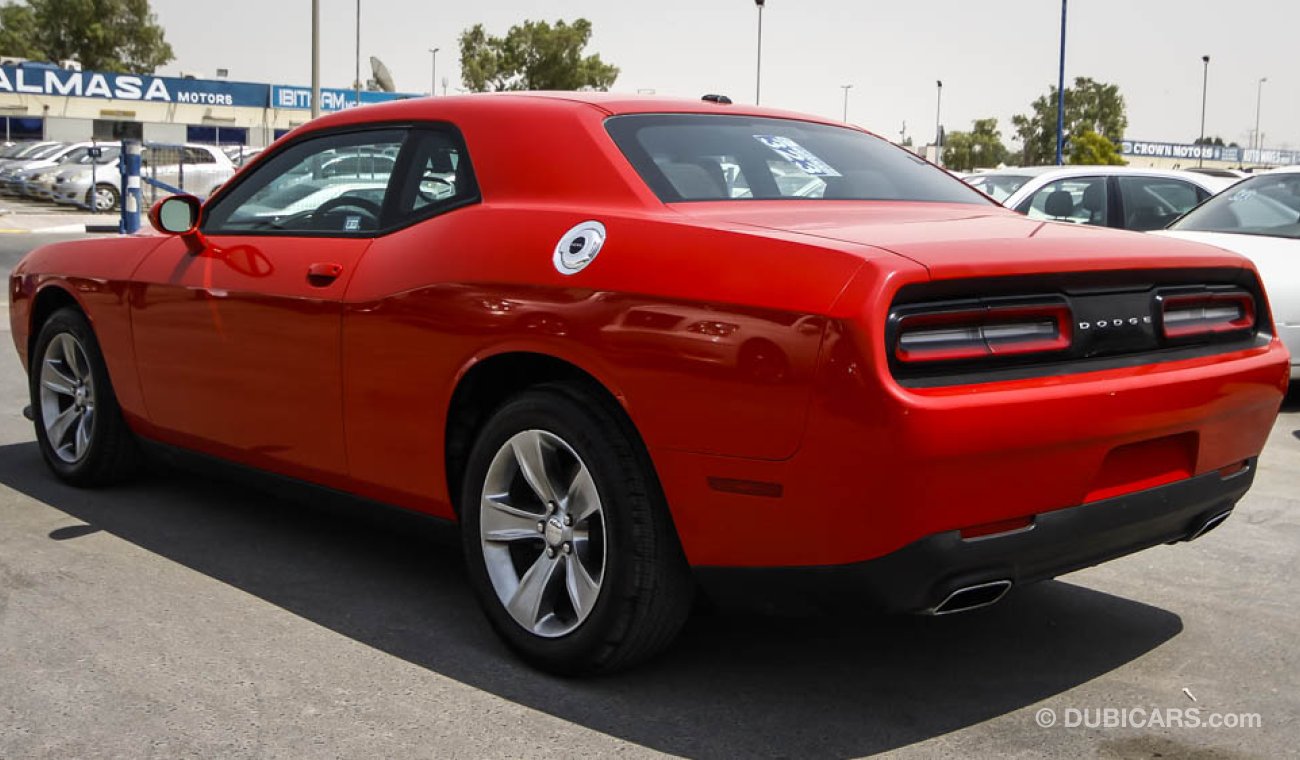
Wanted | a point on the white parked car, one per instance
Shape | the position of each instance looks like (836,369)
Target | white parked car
(1106,196)
(1260,219)
(195,169)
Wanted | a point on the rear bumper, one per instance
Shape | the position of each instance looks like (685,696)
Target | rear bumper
(921,575)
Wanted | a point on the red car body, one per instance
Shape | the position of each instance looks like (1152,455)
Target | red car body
(807,450)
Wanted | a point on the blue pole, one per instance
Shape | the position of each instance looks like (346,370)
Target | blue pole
(1060,95)
(131,196)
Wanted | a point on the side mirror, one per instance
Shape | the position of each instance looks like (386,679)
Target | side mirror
(176,215)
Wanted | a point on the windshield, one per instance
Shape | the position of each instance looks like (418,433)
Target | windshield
(1265,205)
(999,187)
(703,157)
(45,152)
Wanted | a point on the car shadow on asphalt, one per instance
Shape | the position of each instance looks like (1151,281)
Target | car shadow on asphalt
(733,685)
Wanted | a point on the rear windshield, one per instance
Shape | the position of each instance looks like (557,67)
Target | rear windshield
(703,157)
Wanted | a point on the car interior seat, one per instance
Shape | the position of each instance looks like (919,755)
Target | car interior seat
(1059,204)
(693,181)
(1094,202)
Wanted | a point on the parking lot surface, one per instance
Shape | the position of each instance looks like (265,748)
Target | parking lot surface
(183,617)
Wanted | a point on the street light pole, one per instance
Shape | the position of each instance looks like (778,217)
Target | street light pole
(315,58)
(758,71)
(1259,98)
(358,82)
(433,83)
(938,125)
(846,88)
(1205,84)
(1060,94)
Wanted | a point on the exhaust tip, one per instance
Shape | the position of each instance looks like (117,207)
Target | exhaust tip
(972,597)
(1210,524)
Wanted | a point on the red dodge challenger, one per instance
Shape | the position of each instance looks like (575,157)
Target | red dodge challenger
(641,347)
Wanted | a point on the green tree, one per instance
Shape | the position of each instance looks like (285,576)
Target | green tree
(1090,106)
(1093,149)
(1208,141)
(18,31)
(533,56)
(104,35)
(981,147)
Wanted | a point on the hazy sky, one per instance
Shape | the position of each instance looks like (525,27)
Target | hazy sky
(994,56)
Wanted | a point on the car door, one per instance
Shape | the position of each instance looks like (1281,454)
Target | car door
(237,328)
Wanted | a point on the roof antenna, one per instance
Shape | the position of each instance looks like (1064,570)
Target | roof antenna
(721,100)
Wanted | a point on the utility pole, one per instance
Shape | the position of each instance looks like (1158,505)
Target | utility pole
(358,82)
(433,83)
(758,71)
(1205,84)
(938,124)
(315,58)
(846,88)
(1060,94)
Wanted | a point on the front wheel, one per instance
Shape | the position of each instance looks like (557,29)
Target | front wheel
(79,426)
(102,198)
(568,542)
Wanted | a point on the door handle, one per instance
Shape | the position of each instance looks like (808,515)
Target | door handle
(323,273)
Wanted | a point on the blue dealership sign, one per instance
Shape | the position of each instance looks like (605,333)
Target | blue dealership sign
(331,99)
(31,80)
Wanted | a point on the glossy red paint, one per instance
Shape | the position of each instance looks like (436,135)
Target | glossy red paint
(745,341)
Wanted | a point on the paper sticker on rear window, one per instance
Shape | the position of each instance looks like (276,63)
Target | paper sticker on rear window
(798,155)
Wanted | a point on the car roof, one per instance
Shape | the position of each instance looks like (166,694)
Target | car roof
(611,104)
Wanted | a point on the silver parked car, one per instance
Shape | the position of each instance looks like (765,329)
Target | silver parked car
(195,169)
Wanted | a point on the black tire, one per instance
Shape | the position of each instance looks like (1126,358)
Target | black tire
(646,590)
(113,193)
(112,454)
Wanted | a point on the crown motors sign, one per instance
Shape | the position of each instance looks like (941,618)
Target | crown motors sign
(1178,150)
(94,84)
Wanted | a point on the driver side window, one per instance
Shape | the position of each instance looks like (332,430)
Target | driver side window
(330,185)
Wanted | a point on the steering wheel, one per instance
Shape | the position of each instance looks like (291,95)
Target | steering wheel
(343,201)
(294,222)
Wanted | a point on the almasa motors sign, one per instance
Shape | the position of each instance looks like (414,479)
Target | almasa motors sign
(28,80)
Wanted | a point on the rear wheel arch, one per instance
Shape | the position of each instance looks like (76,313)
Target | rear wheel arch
(493,381)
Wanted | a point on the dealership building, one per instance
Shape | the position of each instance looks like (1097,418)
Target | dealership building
(44,101)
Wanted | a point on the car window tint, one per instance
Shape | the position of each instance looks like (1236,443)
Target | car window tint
(1081,200)
(439,176)
(705,157)
(1151,203)
(335,184)
(1265,205)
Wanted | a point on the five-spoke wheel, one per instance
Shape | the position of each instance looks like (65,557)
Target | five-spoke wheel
(542,533)
(568,541)
(79,425)
(67,397)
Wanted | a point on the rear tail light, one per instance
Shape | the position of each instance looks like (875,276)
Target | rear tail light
(1205,314)
(978,333)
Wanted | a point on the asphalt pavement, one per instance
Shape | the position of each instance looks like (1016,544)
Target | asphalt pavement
(180,616)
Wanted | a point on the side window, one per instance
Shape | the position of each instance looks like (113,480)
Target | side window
(1081,200)
(198,156)
(335,184)
(440,176)
(1151,203)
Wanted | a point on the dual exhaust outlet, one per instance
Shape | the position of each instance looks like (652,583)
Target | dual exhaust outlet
(977,595)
